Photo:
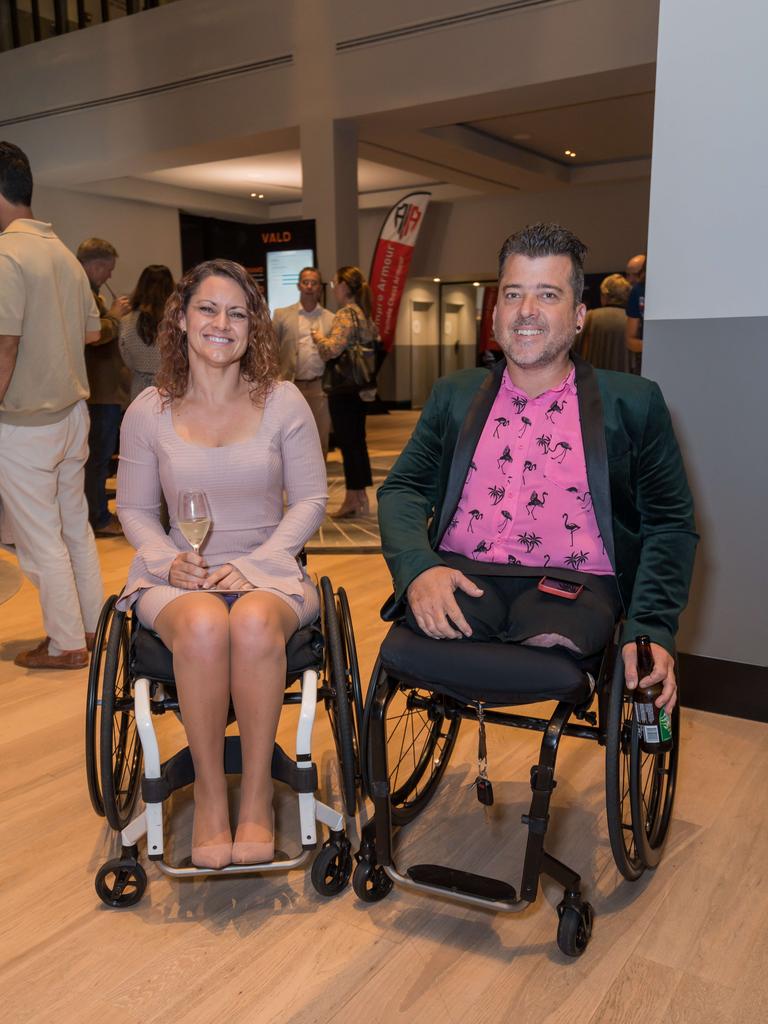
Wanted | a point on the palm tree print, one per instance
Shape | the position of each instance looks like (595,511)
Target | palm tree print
(511,560)
(529,541)
(496,494)
(526,423)
(565,449)
(506,519)
(519,403)
(543,442)
(576,559)
(535,502)
(528,467)
(500,421)
(474,516)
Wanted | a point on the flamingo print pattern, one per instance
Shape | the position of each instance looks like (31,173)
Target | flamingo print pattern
(526,499)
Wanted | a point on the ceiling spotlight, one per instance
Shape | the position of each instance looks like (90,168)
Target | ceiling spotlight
(253,195)
(261,194)
(436,280)
(570,153)
(475,284)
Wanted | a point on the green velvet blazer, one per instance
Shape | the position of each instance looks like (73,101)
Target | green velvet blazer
(636,476)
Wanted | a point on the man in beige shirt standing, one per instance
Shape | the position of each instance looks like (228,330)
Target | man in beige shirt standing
(299,358)
(47,316)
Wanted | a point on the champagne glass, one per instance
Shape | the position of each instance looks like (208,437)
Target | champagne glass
(194,517)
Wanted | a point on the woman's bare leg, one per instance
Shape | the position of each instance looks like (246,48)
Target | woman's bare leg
(260,627)
(195,627)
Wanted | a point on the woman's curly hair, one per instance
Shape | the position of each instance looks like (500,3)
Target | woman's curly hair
(259,365)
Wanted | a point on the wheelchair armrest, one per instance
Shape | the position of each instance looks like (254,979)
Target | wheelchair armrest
(393,609)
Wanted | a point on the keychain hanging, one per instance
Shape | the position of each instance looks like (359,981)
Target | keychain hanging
(482,783)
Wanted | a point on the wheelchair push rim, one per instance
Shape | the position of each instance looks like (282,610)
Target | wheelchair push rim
(340,671)
(93,707)
(120,748)
(618,774)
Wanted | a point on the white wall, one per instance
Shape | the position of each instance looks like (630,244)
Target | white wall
(142,233)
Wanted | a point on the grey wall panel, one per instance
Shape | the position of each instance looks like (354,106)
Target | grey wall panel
(714,374)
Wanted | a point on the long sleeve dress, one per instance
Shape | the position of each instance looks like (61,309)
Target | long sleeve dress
(142,360)
(244,483)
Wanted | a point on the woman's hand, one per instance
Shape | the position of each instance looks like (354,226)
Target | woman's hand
(188,571)
(227,577)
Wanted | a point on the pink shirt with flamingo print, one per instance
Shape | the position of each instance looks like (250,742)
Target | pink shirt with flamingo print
(526,499)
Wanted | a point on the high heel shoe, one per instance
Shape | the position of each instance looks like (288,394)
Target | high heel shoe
(213,855)
(254,851)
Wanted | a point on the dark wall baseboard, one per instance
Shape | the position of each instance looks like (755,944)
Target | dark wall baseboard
(725,687)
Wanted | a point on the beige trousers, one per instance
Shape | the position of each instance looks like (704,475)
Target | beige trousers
(317,400)
(45,511)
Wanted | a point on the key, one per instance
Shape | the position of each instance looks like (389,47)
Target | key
(484,790)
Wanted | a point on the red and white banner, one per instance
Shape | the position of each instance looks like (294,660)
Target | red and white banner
(391,260)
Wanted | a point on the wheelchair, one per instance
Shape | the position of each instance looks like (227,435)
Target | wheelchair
(421,690)
(131,680)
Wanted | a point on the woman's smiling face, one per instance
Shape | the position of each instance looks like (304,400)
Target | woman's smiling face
(217,322)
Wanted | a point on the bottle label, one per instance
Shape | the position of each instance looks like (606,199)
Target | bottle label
(650,734)
(665,726)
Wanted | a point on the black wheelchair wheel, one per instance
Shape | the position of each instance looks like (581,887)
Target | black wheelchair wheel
(332,867)
(350,648)
(339,697)
(120,749)
(121,882)
(420,737)
(574,928)
(618,774)
(652,793)
(93,706)
(371,882)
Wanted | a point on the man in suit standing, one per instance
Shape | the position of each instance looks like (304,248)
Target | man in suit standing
(295,327)
(546,467)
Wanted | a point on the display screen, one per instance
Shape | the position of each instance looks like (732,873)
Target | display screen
(283,266)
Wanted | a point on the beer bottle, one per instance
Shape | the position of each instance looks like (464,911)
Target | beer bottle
(653,723)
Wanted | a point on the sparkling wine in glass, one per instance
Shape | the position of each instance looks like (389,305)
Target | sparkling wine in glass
(194,517)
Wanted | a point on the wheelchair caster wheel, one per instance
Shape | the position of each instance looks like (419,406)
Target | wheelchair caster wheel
(121,883)
(371,883)
(332,868)
(575,928)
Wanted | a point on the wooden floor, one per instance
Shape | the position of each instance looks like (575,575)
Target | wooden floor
(688,943)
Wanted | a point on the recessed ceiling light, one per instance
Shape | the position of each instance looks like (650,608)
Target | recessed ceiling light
(436,280)
(570,153)
(261,194)
(476,284)
(253,195)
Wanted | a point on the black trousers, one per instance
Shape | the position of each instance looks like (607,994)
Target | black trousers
(348,420)
(513,609)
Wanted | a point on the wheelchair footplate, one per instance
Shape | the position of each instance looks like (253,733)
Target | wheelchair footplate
(437,876)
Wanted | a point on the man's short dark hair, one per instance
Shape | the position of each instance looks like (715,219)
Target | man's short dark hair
(306,270)
(537,240)
(15,175)
(96,249)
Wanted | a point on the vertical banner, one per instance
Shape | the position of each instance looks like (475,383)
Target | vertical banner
(391,260)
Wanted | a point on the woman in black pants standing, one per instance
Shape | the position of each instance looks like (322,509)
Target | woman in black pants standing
(351,322)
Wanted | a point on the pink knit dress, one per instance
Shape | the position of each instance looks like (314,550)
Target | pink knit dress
(252,528)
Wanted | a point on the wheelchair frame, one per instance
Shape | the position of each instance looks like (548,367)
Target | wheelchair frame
(639,796)
(128,702)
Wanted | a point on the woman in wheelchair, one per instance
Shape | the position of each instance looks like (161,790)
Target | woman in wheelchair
(220,421)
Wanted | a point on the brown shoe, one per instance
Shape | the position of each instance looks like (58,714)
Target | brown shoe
(39,657)
(111,528)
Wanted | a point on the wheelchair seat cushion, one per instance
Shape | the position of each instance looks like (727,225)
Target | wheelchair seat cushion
(495,673)
(151,658)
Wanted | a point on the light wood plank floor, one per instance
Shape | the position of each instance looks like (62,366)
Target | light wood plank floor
(688,943)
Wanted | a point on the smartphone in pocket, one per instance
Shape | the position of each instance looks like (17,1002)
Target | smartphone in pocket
(560,588)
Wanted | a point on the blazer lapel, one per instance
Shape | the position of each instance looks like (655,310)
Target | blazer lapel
(595,450)
(469,435)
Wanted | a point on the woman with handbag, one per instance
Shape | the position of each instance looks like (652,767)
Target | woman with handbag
(350,353)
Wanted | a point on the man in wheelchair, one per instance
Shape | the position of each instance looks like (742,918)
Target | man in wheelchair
(533,507)
(547,465)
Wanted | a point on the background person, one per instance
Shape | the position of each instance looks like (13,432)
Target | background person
(109,395)
(47,315)
(353,320)
(299,359)
(635,311)
(602,340)
(137,339)
(220,421)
